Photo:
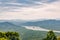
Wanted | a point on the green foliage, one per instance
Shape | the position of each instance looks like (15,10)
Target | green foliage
(50,36)
(58,37)
(3,38)
(9,36)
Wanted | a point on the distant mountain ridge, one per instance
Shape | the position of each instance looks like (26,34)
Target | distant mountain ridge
(48,24)
(5,26)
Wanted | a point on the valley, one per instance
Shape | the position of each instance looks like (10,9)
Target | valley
(31,30)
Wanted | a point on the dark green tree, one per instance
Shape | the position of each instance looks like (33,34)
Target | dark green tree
(9,36)
(50,36)
(12,35)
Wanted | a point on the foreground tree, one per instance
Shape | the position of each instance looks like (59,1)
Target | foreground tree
(50,36)
(4,38)
(9,36)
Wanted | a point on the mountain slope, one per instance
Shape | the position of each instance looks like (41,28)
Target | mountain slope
(47,24)
(24,33)
(27,34)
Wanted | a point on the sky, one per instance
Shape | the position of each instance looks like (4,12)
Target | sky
(29,9)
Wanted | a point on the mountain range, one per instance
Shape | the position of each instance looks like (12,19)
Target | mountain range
(47,24)
(18,26)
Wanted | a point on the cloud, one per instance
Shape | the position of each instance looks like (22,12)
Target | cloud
(24,2)
(39,10)
(9,4)
(38,29)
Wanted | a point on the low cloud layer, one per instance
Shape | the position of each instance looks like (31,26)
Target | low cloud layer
(38,29)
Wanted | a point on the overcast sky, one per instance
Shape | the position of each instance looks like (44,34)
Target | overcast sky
(29,9)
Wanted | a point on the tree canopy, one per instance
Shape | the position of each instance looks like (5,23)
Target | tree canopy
(50,36)
(9,36)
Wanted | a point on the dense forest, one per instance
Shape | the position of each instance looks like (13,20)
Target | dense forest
(15,36)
